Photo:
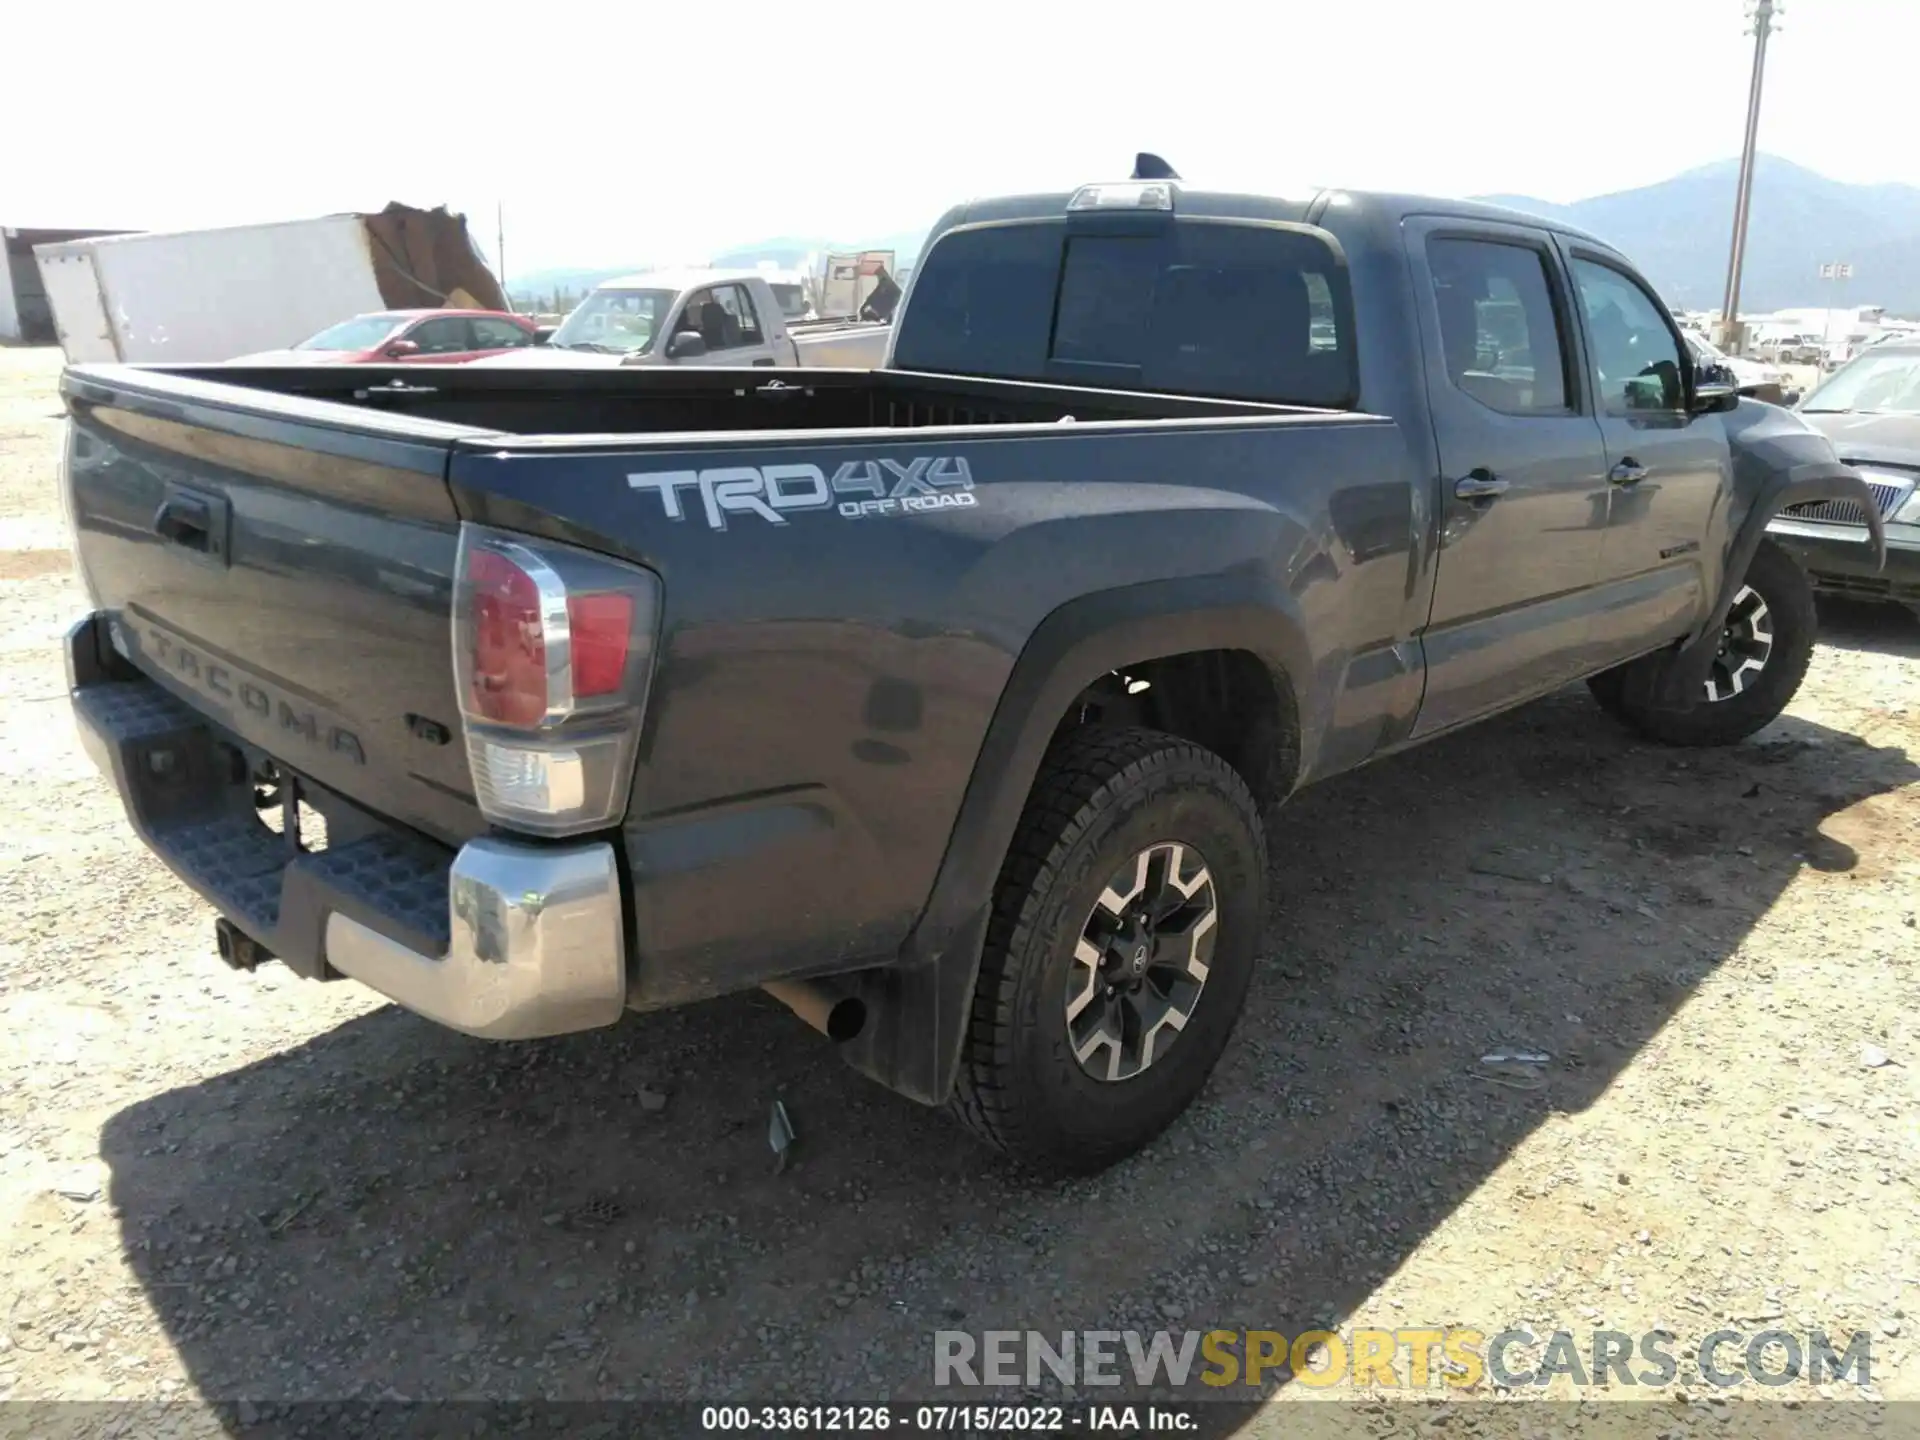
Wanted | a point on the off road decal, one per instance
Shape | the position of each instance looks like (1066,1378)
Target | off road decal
(858,490)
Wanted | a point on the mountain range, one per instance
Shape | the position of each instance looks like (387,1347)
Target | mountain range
(1677,231)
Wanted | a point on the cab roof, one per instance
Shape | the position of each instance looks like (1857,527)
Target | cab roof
(679,279)
(1360,209)
(398,315)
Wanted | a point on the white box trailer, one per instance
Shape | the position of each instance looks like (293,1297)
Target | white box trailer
(24,315)
(847,282)
(204,295)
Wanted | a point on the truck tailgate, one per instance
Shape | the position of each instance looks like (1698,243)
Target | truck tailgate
(852,347)
(285,568)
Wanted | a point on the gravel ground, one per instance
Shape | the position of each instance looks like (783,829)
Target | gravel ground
(260,1189)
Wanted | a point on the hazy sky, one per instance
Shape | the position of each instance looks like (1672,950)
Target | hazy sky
(662,130)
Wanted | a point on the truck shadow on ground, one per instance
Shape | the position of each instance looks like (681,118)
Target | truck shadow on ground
(391,1210)
(1864,626)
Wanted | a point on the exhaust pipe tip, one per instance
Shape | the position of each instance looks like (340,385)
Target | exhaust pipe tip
(839,1017)
(846,1019)
(239,950)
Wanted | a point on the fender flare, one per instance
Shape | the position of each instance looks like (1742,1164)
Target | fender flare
(1681,672)
(919,1006)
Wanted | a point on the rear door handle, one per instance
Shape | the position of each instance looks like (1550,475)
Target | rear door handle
(767,360)
(1479,485)
(194,521)
(1627,472)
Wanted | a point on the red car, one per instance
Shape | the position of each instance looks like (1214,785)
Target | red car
(441,337)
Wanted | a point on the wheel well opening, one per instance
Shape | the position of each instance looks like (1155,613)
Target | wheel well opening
(1229,701)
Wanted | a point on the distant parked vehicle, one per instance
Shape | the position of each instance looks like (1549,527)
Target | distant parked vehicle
(730,319)
(441,337)
(1870,409)
(1750,377)
(791,293)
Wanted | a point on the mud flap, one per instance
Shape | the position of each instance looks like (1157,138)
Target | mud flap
(1670,680)
(917,1017)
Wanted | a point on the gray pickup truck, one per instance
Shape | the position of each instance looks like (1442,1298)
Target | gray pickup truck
(946,702)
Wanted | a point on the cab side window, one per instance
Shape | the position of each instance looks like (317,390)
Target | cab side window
(448,336)
(1500,332)
(499,334)
(1637,364)
(742,325)
(722,316)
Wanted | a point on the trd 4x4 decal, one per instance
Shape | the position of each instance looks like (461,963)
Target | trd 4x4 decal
(859,489)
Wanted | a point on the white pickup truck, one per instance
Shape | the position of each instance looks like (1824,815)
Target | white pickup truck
(700,317)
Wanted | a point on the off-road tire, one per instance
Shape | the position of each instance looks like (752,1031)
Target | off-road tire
(1102,796)
(1788,594)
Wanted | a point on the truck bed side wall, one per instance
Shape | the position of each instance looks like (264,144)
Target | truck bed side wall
(827,679)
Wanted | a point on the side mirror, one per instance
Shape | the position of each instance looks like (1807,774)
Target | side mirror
(687,345)
(1715,391)
(400,349)
(543,333)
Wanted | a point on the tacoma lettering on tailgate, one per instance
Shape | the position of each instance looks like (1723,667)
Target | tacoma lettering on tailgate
(234,688)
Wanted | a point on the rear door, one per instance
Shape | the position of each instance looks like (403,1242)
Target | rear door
(494,336)
(1522,468)
(1667,471)
(284,572)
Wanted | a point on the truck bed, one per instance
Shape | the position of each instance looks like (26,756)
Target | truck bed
(275,549)
(645,401)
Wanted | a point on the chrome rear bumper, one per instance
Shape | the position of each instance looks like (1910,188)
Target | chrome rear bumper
(506,939)
(534,948)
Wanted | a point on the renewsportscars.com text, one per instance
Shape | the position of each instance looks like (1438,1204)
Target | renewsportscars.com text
(1409,1358)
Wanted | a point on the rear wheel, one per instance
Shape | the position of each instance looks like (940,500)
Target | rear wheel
(1119,951)
(1765,646)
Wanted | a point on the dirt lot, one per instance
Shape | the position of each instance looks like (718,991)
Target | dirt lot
(258,1188)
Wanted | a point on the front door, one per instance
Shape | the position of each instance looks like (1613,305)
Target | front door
(1667,470)
(723,316)
(1523,486)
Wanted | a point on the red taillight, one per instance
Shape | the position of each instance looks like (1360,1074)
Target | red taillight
(509,672)
(601,626)
(511,684)
(552,660)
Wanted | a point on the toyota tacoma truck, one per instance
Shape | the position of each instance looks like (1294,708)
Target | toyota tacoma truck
(947,702)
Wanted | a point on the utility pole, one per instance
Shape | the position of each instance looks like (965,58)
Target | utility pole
(500,244)
(1839,272)
(1763,13)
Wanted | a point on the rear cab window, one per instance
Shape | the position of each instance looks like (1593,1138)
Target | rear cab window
(1242,310)
(1500,332)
